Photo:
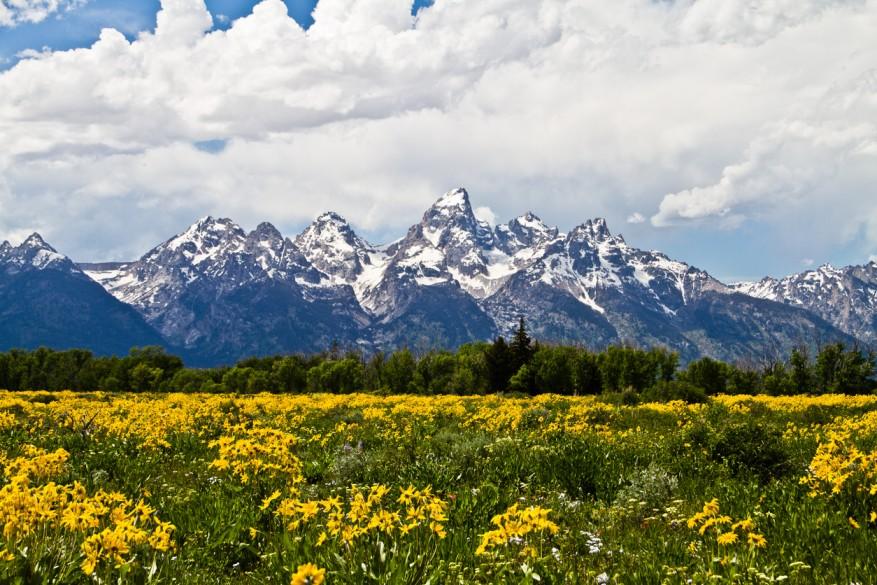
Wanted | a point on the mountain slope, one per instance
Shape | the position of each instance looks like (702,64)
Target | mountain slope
(45,300)
(416,300)
(644,298)
(845,297)
(223,293)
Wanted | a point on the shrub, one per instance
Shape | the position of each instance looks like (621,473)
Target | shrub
(665,391)
(650,488)
(751,448)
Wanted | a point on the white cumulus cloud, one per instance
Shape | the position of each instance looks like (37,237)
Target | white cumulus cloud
(13,12)
(718,111)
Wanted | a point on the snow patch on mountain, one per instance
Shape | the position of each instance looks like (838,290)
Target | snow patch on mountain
(34,253)
(845,297)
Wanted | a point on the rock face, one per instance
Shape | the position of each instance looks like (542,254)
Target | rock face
(845,297)
(46,300)
(219,293)
(592,287)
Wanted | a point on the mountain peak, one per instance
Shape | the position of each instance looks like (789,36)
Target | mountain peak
(458,197)
(594,229)
(529,221)
(210,223)
(35,252)
(329,226)
(36,241)
(266,230)
(209,226)
(451,216)
(524,231)
(331,217)
(331,245)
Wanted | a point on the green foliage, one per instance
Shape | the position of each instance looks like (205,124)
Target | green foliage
(521,347)
(648,489)
(628,367)
(845,371)
(620,486)
(397,374)
(752,449)
(520,365)
(708,374)
(683,390)
(337,376)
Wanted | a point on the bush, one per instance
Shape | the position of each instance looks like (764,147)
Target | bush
(675,390)
(750,448)
(650,488)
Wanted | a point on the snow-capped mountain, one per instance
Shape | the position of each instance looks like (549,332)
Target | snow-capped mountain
(333,248)
(846,297)
(219,293)
(451,246)
(34,253)
(46,300)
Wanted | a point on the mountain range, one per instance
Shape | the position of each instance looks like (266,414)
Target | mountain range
(217,293)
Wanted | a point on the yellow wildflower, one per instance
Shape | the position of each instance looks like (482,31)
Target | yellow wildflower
(308,574)
(756,540)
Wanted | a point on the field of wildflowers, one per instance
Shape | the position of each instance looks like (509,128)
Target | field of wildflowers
(352,489)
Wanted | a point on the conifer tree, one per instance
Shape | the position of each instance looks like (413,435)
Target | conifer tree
(498,359)
(521,347)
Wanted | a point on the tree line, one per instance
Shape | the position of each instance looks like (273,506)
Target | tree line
(519,364)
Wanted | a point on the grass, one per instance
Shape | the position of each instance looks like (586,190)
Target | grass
(567,490)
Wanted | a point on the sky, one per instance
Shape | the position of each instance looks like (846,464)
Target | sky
(738,136)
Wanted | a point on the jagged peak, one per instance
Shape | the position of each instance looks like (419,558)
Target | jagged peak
(5,246)
(267,229)
(330,226)
(453,206)
(593,229)
(35,251)
(458,197)
(209,226)
(331,244)
(35,240)
(331,217)
(210,223)
(531,222)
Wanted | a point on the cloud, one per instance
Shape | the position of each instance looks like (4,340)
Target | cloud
(702,113)
(485,214)
(793,158)
(808,262)
(14,12)
(808,173)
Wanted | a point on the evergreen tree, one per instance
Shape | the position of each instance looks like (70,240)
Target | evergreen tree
(397,375)
(586,373)
(521,347)
(802,377)
(499,366)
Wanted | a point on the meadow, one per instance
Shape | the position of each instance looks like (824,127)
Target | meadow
(363,488)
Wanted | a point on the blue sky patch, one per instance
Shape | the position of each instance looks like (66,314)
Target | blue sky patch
(81,27)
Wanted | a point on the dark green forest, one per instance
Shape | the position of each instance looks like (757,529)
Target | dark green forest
(520,364)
